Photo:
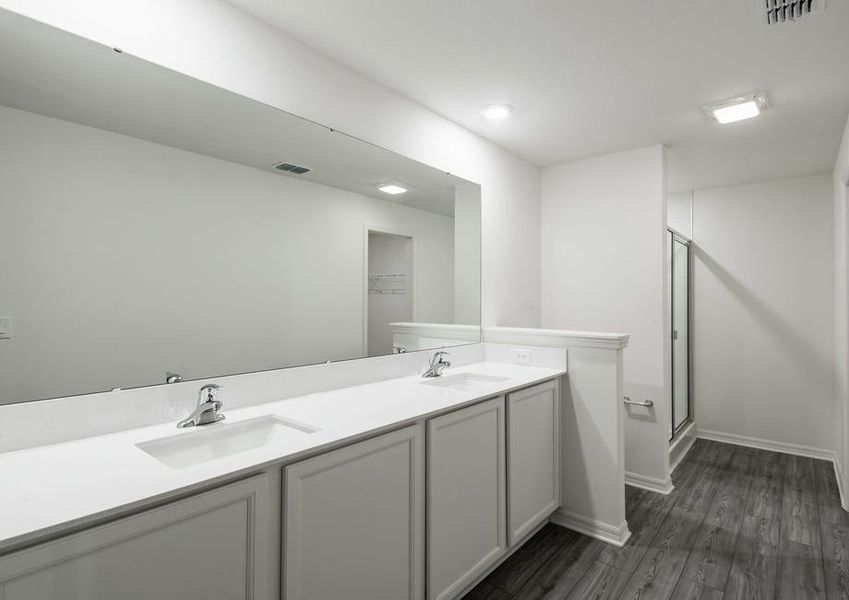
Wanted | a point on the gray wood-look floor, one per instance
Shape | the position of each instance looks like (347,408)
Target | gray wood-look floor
(741,523)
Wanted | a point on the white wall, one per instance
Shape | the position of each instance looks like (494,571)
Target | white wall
(217,43)
(763,311)
(679,213)
(467,255)
(222,268)
(603,268)
(840,183)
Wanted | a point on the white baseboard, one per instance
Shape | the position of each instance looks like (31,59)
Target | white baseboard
(838,473)
(798,450)
(652,484)
(612,534)
(679,447)
(760,444)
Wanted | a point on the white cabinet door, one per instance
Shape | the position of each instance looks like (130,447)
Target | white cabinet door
(212,545)
(354,521)
(533,457)
(466,496)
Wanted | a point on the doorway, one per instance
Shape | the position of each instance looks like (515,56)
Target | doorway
(679,305)
(389,295)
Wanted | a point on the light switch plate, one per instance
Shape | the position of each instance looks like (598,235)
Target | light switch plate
(5,328)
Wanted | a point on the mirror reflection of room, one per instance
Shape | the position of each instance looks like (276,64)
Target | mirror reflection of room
(156,242)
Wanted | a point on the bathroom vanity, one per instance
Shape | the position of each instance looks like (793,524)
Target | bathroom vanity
(417,499)
(188,238)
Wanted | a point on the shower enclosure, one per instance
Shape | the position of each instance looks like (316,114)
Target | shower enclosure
(679,305)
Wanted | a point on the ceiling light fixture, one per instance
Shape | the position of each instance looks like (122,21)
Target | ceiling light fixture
(393,189)
(738,108)
(497,112)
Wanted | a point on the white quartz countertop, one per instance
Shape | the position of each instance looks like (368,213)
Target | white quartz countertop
(46,490)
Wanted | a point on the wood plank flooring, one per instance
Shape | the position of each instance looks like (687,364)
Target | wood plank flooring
(741,523)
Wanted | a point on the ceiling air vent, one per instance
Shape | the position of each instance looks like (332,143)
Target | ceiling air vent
(781,11)
(290,168)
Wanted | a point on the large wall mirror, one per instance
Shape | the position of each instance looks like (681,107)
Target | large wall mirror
(155,224)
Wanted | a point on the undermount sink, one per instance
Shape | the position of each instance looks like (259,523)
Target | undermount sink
(221,439)
(465,381)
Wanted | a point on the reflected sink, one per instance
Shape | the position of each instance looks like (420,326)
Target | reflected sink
(221,439)
(465,381)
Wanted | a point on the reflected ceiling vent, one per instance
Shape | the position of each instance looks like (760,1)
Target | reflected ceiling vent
(290,168)
(782,11)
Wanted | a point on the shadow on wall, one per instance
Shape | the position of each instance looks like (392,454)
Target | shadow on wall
(781,330)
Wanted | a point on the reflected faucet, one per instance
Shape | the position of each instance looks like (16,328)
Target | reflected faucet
(437,365)
(206,411)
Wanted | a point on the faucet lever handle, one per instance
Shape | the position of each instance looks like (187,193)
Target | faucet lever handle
(437,357)
(210,389)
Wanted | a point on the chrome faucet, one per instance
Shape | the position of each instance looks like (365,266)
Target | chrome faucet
(437,365)
(207,409)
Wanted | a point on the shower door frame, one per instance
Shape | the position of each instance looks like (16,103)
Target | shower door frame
(677,237)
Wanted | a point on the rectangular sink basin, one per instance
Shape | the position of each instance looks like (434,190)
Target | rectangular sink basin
(218,440)
(465,381)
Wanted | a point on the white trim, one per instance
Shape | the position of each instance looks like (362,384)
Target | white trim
(796,449)
(838,473)
(761,444)
(612,534)
(462,333)
(652,484)
(557,338)
(686,438)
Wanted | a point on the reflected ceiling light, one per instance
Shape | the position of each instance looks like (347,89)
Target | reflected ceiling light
(497,112)
(393,188)
(738,108)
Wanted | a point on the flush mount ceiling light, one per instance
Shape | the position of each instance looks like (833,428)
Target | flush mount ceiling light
(393,188)
(738,108)
(497,112)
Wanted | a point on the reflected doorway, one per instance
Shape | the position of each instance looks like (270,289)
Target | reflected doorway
(389,294)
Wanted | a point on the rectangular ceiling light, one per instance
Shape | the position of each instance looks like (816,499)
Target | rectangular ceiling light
(736,109)
(392,189)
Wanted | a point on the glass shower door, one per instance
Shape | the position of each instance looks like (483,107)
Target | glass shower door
(679,271)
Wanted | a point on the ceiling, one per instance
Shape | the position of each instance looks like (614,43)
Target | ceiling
(590,78)
(55,73)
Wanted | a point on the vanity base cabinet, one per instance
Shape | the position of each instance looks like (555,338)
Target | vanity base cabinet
(467,530)
(354,521)
(533,457)
(212,545)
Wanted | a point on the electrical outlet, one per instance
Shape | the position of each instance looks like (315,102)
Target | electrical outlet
(521,356)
